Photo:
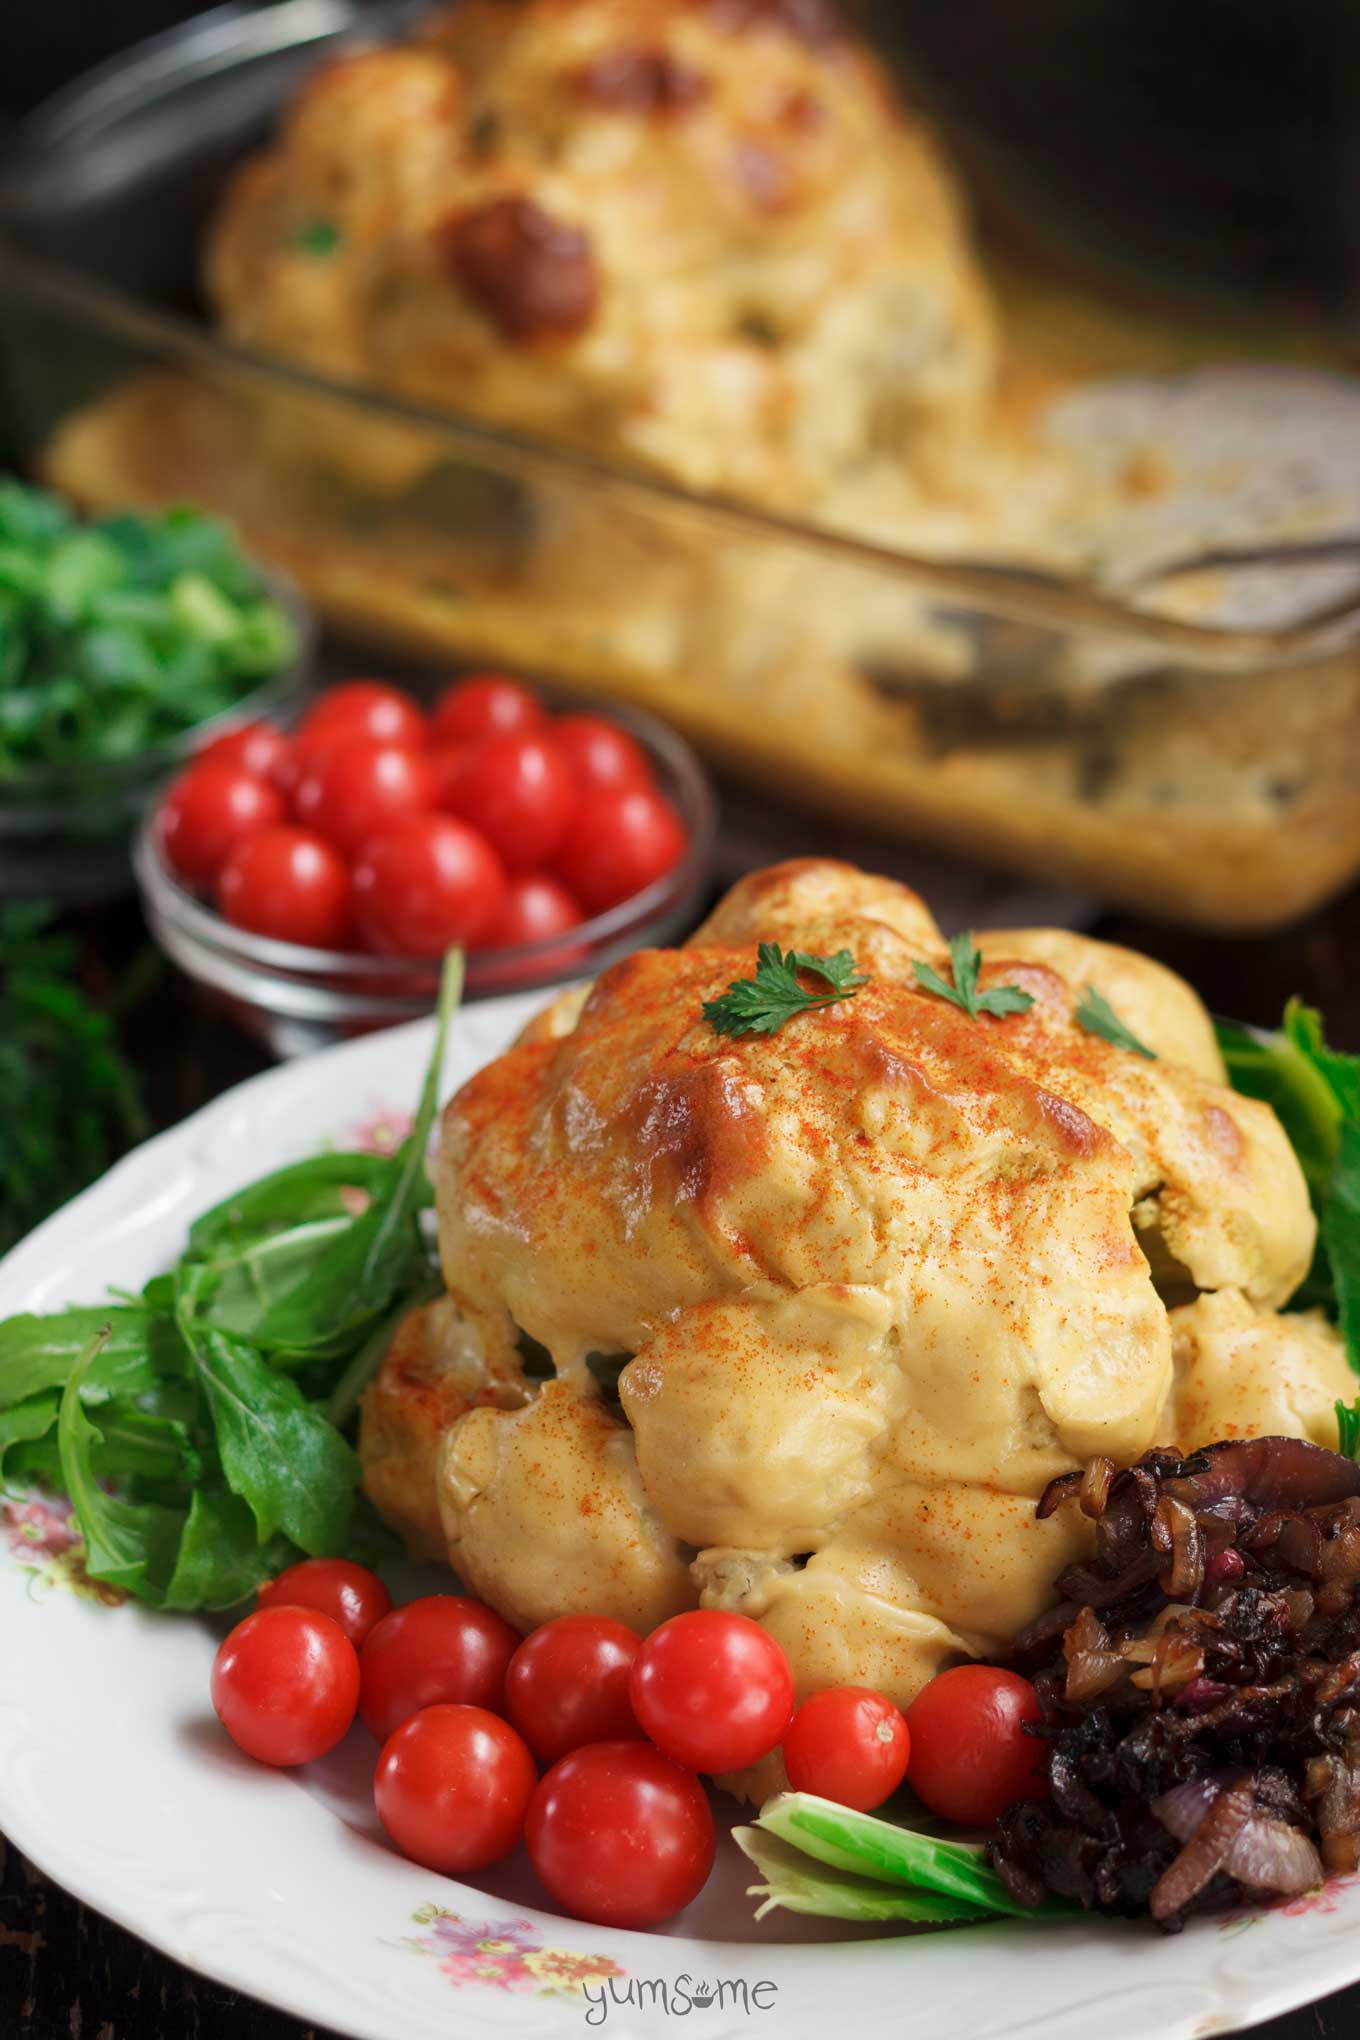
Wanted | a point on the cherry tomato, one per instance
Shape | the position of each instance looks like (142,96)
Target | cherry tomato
(291,885)
(620,1835)
(568,1685)
(364,708)
(712,1690)
(970,1757)
(285,1684)
(452,1787)
(849,1744)
(356,790)
(258,747)
(536,908)
(443,1647)
(425,885)
(520,793)
(446,762)
(207,811)
(350,1594)
(604,758)
(617,844)
(486,705)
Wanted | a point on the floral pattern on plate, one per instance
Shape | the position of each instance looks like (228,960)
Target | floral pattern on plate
(504,1955)
(1322,1899)
(39,1531)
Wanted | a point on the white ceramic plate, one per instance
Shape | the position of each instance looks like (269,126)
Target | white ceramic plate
(115,1779)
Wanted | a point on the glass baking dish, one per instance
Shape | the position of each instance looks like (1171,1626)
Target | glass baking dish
(1186,769)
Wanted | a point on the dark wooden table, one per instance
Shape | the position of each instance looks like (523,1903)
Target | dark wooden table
(68,1974)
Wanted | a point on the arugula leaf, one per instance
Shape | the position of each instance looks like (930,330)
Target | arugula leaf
(1097,1016)
(288,1197)
(355,1279)
(24,1424)
(140,1443)
(1303,1092)
(221,1560)
(1315,1093)
(278,1452)
(802,1885)
(131,1545)
(1348,1429)
(38,1353)
(868,1846)
(1340,1235)
(763,1003)
(239,1291)
(1303,1028)
(966,962)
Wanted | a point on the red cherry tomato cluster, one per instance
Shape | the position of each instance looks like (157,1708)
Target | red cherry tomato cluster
(618,1827)
(487,823)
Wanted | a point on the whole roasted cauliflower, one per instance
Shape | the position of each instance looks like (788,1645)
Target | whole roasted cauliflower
(700,234)
(814,1316)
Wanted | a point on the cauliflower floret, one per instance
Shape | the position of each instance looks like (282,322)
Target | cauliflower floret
(545,1515)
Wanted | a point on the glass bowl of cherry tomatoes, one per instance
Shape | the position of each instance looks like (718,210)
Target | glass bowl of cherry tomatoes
(313,876)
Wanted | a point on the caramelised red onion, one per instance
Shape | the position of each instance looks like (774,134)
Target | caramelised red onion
(1094,1492)
(1266,1854)
(1201,1694)
(1184,1577)
(1205,1853)
(1332,1787)
(1093,1664)
(1227,1584)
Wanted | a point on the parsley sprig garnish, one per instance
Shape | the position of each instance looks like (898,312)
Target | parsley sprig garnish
(761,1004)
(966,961)
(1097,1016)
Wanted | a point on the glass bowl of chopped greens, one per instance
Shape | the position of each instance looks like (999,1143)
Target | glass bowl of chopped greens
(126,643)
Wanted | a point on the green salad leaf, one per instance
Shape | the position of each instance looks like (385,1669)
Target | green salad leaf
(118,636)
(279,1452)
(24,1423)
(41,1352)
(128,1544)
(220,1560)
(1340,1235)
(199,1429)
(1315,1093)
